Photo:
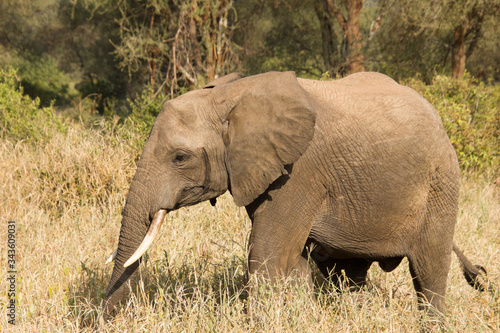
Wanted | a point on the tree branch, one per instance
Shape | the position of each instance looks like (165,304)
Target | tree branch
(475,30)
(378,21)
(188,76)
(334,10)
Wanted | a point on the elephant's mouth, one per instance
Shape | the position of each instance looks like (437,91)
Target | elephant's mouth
(154,228)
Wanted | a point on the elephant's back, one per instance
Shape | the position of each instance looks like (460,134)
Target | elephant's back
(373,98)
(376,114)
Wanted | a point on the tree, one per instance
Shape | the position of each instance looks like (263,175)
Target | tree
(87,51)
(348,19)
(331,51)
(353,18)
(426,36)
(176,44)
(279,35)
(62,49)
(467,31)
(29,32)
(309,36)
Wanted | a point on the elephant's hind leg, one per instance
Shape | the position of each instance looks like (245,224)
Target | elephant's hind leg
(429,279)
(430,257)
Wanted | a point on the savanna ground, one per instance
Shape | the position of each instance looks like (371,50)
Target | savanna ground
(66,192)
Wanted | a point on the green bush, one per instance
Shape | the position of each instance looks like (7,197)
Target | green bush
(22,118)
(471,115)
(134,127)
(41,78)
(144,109)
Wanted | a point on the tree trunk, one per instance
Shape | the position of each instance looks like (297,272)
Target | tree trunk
(469,28)
(350,26)
(210,61)
(193,36)
(355,56)
(328,36)
(458,55)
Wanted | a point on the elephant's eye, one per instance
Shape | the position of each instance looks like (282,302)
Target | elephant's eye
(180,157)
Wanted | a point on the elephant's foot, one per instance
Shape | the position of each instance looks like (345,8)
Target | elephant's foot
(268,289)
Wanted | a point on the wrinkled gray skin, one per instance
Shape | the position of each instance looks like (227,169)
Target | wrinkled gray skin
(358,170)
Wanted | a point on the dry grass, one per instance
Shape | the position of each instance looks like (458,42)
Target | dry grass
(66,198)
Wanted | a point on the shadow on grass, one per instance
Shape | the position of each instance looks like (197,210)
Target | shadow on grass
(86,293)
(163,287)
(177,285)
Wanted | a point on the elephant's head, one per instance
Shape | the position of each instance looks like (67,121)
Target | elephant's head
(236,133)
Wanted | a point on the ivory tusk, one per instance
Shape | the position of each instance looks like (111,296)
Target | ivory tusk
(111,257)
(154,228)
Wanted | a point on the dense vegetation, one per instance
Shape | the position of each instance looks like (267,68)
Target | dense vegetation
(111,50)
(81,82)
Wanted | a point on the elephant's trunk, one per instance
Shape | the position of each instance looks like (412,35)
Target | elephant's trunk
(148,239)
(135,225)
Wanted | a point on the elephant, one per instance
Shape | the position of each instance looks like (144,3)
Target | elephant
(345,172)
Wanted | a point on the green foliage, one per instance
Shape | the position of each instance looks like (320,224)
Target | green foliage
(41,78)
(22,118)
(133,129)
(107,50)
(144,110)
(32,41)
(280,36)
(471,115)
(484,63)
(63,49)
(92,33)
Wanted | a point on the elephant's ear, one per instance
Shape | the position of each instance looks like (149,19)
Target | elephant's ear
(270,126)
(224,79)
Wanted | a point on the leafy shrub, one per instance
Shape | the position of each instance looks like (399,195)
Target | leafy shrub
(145,108)
(41,78)
(142,114)
(471,116)
(22,118)
(130,130)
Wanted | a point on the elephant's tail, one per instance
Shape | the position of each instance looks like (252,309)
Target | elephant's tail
(472,273)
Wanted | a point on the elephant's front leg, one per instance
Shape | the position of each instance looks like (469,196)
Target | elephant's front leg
(281,222)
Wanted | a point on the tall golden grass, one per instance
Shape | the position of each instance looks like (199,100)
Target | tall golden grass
(66,196)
